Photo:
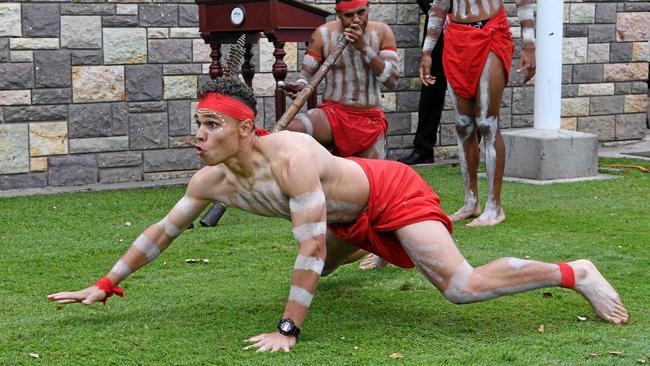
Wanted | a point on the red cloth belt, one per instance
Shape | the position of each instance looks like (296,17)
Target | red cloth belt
(347,5)
(467,49)
(568,276)
(106,285)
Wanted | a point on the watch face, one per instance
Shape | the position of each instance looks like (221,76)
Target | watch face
(237,15)
(285,326)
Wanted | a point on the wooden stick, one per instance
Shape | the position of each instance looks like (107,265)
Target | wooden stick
(310,88)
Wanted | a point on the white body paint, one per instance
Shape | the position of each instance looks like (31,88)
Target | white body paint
(147,246)
(300,295)
(170,229)
(309,264)
(307,201)
(185,206)
(309,127)
(121,269)
(308,231)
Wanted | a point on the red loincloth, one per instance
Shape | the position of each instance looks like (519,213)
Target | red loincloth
(466,51)
(398,197)
(353,129)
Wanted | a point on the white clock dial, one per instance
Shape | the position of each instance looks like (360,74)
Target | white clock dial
(237,16)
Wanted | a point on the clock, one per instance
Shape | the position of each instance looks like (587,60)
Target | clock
(237,16)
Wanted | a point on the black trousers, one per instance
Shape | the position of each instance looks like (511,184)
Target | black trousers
(432,100)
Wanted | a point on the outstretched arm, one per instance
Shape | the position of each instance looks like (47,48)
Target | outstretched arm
(300,181)
(526,14)
(155,239)
(437,14)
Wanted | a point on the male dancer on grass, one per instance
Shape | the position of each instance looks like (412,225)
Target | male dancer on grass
(477,56)
(336,206)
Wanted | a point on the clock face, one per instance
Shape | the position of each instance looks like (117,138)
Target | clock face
(237,16)
(285,326)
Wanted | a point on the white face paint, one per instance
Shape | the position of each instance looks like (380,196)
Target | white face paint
(147,246)
(305,232)
(300,295)
(309,264)
(307,201)
(121,269)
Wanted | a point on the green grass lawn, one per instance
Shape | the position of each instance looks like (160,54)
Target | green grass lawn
(198,314)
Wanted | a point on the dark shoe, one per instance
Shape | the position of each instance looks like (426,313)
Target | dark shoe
(417,158)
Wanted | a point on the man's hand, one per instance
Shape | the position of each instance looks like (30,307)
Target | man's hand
(271,342)
(292,89)
(527,63)
(354,35)
(86,296)
(425,71)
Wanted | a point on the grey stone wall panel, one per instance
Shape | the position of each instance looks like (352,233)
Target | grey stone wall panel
(576,30)
(184,69)
(623,87)
(120,114)
(81,31)
(119,159)
(188,15)
(179,117)
(148,131)
(120,175)
(147,107)
(606,105)
(406,35)
(4,49)
(522,120)
(587,73)
(87,57)
(630,126)
(36,113)
(171,159)
(120,21)
(53,69)
(90,120)
(639,87)
(599,33)
(411,68)
(601,126)
(158,15)
(606,13)
(52,96)
(87,9)
(523,100)
(144,82)
(620,52)
(40,20)
(170,50)
(98,144)
(407,101)
(637,6)
(72,170)
(17,76)
(399,123)
(23,181)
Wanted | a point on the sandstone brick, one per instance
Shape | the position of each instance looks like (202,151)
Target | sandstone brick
(144,82)
(630,126)
(148,131)
(264,85)
(157,33)
(125,45)
(389,102)
(640,51)
(126,9)
(582,13)
(632,26)
(523,121)
(34,43)
(570,124)
(10,26)
(81,31)
(98,84)
(14,152)
(598,53)
(22,56)
(636,103)
(596,89)
(201,51)
(574,107)
(72,170)
(40,20)
(15,97)
(170,160)
(602,126)
(48,138)
(574,50)
(180,86)
(99,144)
(523,100)
(626,71)
(38,164)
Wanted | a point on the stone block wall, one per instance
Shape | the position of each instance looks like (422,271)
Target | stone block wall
(103,91)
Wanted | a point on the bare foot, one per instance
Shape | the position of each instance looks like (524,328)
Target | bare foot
(488,218)
(600,294)
(372,262)
(465,213)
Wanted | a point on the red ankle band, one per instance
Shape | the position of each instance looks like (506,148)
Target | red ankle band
(568,277)
(106,285)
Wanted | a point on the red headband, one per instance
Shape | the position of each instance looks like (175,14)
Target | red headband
(353,4)
(226,105)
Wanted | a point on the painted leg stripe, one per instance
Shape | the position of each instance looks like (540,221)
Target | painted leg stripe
(306,201)
(185,205)
(121,269)
(147,246)
(307,231)
(170,229)
(309,264)
(300,295)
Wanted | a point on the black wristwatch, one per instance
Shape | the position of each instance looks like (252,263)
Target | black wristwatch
(287,327)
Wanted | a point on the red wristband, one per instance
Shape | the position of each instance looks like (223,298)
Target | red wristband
(568,277)
(106,285)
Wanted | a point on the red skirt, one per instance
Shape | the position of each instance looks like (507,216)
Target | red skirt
(398,197)
(353,129)
(467,48)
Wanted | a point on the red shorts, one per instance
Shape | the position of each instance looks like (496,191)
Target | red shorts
(398,197)
(467,48)
(354,130)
